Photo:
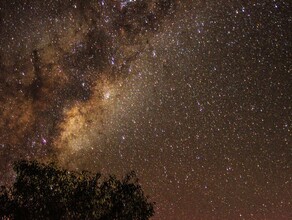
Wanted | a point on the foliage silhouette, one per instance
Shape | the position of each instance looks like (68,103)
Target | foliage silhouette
(45,191)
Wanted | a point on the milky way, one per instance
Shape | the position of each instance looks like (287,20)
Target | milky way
(195,96)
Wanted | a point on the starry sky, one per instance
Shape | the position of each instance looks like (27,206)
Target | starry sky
(195,96)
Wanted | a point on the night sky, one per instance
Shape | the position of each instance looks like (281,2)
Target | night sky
(195,96)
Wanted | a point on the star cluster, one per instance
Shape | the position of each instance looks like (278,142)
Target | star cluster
(195,96)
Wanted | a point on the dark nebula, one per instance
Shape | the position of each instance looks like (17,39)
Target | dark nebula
(193,95)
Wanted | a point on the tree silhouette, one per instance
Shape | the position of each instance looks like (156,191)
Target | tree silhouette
(44,191)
